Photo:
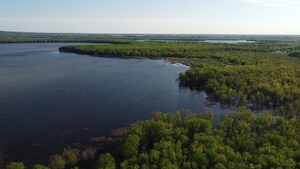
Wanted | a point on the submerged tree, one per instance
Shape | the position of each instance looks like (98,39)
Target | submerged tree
(57,162)
(106,161)
(39,166)
(15,165)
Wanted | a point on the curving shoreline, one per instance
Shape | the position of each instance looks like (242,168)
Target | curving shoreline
(235,74)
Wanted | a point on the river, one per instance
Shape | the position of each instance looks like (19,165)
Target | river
(50,100)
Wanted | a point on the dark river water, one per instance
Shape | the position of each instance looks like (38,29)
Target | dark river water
(49,100)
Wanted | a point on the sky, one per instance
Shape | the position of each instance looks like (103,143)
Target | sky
(152,16)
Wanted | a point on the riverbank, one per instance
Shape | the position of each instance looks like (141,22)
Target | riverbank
(253,75)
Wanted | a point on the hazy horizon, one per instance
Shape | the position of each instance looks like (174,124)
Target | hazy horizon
(238,17)
(184,34)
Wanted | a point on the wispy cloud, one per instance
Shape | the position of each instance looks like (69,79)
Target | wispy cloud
(293,5)
(274,2)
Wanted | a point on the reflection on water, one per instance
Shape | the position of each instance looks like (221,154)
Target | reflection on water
(1,159)
(229,41)
(50,100)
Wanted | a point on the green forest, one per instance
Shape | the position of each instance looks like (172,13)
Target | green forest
(189,141)
(260,76)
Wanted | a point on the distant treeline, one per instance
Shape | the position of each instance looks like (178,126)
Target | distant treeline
(29,37)
(62,40)
(23,37)
(241,140)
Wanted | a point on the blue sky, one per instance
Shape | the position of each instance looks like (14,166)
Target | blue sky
(152,16)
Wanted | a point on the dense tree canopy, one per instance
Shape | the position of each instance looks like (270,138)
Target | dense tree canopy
(241,140)
(189,141)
